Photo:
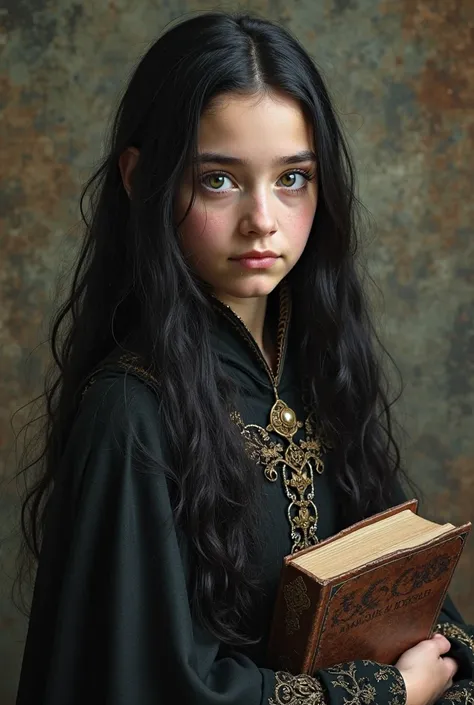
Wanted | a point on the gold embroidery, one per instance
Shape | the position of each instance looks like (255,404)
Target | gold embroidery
(397,689)
(260,447)
(360,688)
(127,362)
(283,327)
(453,631)
(130,362)
(298,461)
(297,601)
(297,690)
(381,675)
(459,694)
(302,512)
(307,690)
(88,385)
(298,465)
(282,333)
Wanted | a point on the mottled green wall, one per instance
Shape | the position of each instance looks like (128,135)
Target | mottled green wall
(402,73)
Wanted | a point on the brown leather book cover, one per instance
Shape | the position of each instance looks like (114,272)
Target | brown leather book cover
(375,612)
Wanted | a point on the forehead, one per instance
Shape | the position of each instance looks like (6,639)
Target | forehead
(255,126)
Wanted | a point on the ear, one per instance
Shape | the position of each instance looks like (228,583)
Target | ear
(127,163)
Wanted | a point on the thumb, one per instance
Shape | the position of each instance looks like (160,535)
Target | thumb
(442,644)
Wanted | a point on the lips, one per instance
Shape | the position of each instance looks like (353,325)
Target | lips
(255,254)
(256,260)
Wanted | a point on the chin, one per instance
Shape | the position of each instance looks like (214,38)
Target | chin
(254,287)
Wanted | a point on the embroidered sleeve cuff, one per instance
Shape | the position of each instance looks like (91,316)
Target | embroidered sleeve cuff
(297,690)
(354,683)
(460,694)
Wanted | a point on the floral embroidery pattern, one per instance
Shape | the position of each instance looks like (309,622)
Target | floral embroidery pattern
(381,675)
(307,690)
(453,631)
(459,695)
(398,690)
(361,690)
(297,602)
(298,462)
(297,690)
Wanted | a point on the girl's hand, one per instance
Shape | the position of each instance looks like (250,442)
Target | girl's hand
(426,673)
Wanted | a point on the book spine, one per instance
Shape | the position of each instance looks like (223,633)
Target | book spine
(462,540)
(320,608)
(294,620)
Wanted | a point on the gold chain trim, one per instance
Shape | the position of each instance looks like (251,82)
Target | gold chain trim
(297,690)
(283,325)
(453,631)
(298,461)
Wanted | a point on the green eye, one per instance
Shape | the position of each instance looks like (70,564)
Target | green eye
(288,180)
(216,182)
(294,180)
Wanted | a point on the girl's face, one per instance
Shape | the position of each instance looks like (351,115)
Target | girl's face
(256,194)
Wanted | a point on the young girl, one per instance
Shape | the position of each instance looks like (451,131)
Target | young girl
(216,320)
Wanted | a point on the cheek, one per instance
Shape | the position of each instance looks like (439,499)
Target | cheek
(299,226)
(204,230)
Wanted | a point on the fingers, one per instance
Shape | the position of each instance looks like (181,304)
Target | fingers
(441,643)
(451,666)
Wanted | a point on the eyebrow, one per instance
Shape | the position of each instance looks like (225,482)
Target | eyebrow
(306,155)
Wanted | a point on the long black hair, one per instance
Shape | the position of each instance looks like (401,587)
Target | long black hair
(131,272)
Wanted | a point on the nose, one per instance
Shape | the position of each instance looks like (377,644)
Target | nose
(258,218)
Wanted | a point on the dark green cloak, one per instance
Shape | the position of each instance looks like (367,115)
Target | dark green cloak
(111,621)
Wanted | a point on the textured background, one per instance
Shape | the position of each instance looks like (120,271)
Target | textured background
(402,74)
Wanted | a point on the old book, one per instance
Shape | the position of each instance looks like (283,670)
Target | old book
(370,592)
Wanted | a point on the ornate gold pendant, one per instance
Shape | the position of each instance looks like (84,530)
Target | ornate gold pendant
(283,420)
(298,462)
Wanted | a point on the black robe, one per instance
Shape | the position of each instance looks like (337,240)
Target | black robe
(111,621)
